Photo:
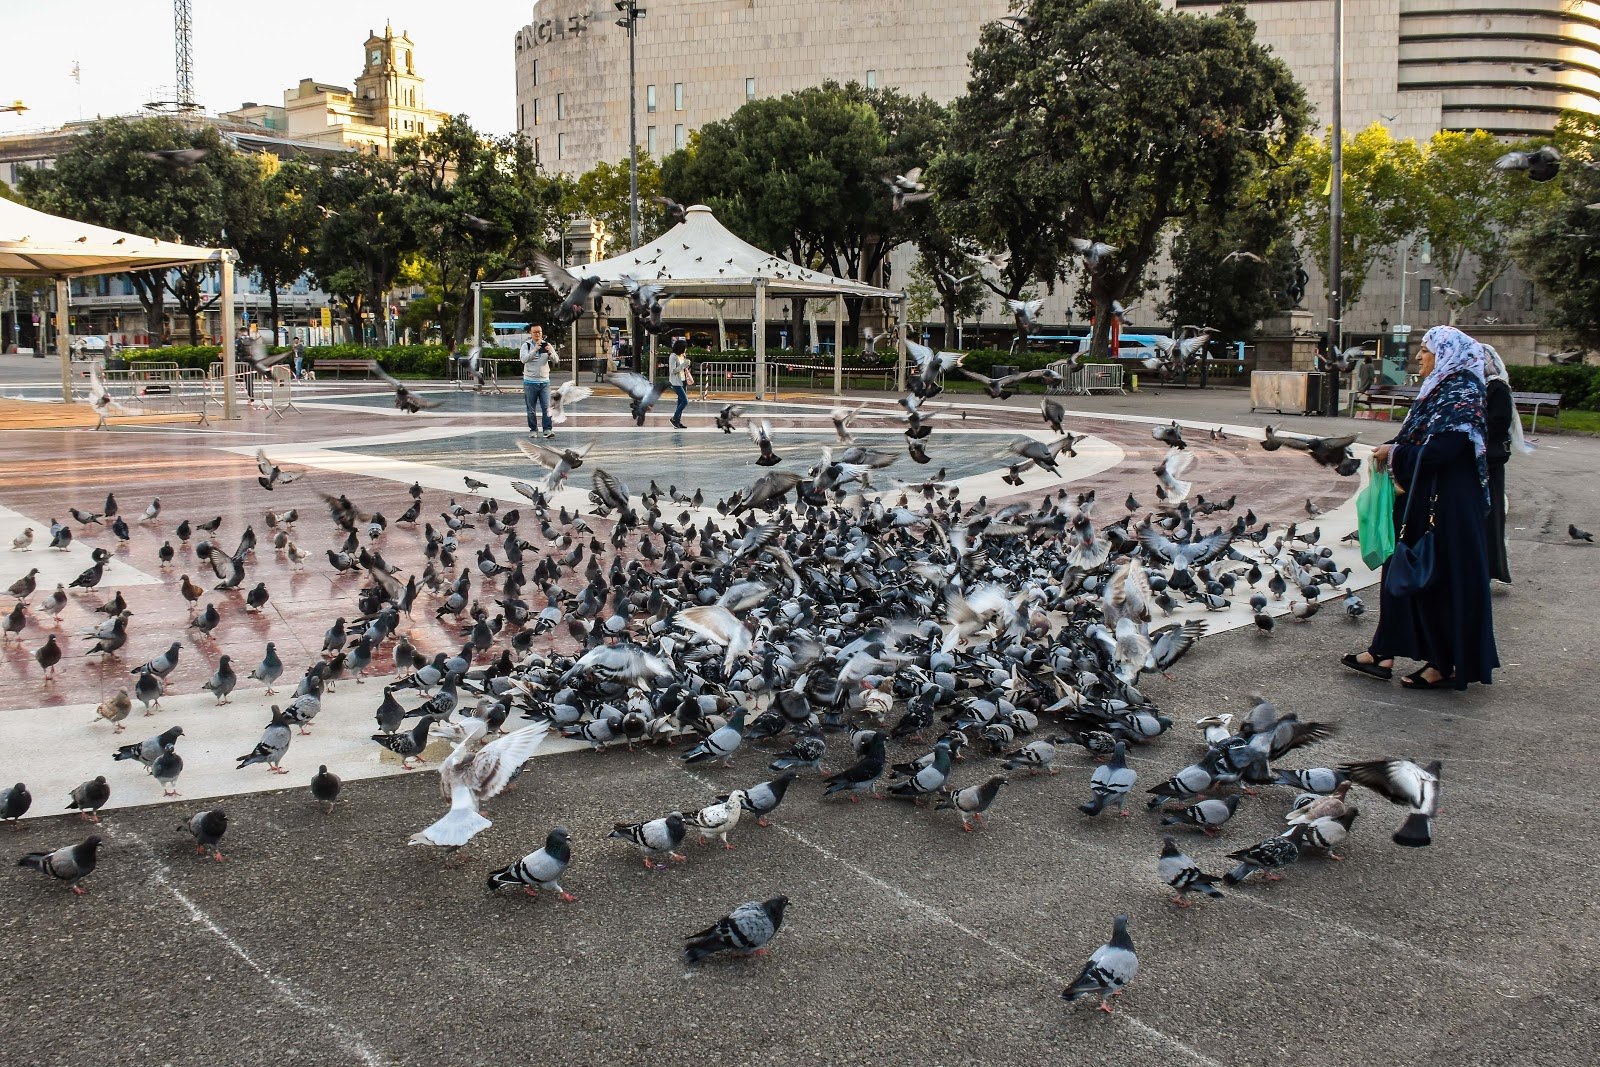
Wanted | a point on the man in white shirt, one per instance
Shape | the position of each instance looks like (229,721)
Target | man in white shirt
(536,354)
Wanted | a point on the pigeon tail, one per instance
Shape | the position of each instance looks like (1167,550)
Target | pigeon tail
(456,828)
(1415,832)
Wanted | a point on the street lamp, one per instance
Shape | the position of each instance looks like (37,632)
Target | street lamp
(1336,211)
(631,14)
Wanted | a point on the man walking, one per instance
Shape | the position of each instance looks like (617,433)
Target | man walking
(536,354)
(298,351)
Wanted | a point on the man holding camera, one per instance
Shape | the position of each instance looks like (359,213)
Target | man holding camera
(536,354)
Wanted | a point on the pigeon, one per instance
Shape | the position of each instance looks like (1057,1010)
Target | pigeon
(1109,970)
(861,776)
(718,820)
(575,291)
(1403,782)
(807,753)
(1170,434)
(325,786)
(23,587)
(1110,783)
(925,780)
(207,828)
(404,399)
(1183,874)
(763,798)
(47,656)
(1035,756)
(163,664)
(14,804)
(1579,535)
(409,746)
(270,669)
(1541,165)
(1327,832)
(658,837)
(71,864)
(761,434)
(472,774)
(272,746)
(747,930)
(15,620)
(147,689)
(1093,252)
(222,681)
(972,801)
(23,541)
(166,769)
(1320,780)
(271,474)
(150,749)
(116,709)
(721,743)
(1207,814)
(1271,856)
(88,798)
(541,869)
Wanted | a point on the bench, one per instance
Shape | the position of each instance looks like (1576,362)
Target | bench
(1404,396)
(337,365)
(197,417)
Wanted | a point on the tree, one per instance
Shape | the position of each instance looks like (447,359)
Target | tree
(1107,120)
(1471,214)
(477,207)
(105,177)
(275,242)
(601,194)
(1382,201)
(946,278)
(365,231)
(1559,246)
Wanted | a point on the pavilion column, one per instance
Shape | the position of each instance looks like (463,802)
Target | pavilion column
(761,339)
(228,365)
(64,337)
(838,344)
(477,315)
(900,344)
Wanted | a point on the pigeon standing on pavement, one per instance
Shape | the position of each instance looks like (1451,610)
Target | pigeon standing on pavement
(207,828)
(1184,875)
(166,769)
(272,746)
(1110,783)
(14,804)
(972,801)
(1109,970)
(540,869)
(325,786)
(118,708)
(71,864)
(747,930)
(658,837)
(222,680)
(88,798)
(149,750)
(270,669)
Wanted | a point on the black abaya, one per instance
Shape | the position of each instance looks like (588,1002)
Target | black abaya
(1498,413)
(1450,624)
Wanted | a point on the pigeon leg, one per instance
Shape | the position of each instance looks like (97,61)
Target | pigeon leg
(678,857)
(1274,877)
(1180,902)
(649,864)
(79,891)
(568,897)
(1105,1006)
(278,770)
(530,890)
(762,821)
(1335,857)
(727,845)
(118,728)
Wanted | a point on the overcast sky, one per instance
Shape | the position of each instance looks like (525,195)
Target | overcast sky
(248,52)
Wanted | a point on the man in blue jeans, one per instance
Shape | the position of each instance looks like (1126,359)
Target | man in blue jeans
(536,354)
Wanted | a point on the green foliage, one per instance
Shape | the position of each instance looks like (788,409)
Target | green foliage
(402,361)
(1559,246)
(601,193)
(1107,120)
(275,241)
(1579,386)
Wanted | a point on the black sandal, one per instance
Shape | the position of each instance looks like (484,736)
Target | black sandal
(1415,680)
(1371,670)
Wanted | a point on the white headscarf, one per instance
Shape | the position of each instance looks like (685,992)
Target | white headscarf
(1452,351)
(1495,369)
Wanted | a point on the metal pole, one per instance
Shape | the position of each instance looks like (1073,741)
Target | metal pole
(1405,257)
(64,337)
(631,13)
(761,339)
(228,367)
(1336,213)
(838,344)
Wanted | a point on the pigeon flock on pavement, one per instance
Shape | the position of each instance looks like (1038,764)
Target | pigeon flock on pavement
(805,624)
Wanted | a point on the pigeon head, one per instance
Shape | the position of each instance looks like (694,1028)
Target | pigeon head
(774,909)
(1169,847)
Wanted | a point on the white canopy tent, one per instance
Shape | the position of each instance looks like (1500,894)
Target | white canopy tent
(34,244)
(699,258)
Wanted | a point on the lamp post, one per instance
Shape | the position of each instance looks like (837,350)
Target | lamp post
(1336,211)
(631,14)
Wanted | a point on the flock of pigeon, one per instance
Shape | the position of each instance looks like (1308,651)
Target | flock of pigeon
(815,614)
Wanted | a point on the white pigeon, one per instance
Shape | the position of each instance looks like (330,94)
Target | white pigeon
(718,820)
(471,775)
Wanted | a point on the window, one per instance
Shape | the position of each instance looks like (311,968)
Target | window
(561,106)
(872,79)
(536,72)
(522,116)
(561,145)
(677,136)
(749,89)
(677,96)
(536,111)
(1486,301)
(1425,293)
(1533,296)
(650,98)
(650,140)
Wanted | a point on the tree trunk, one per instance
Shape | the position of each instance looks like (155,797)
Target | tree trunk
(272,294)
(950,340)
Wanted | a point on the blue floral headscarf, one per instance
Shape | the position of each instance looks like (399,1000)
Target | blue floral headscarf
(1452,397)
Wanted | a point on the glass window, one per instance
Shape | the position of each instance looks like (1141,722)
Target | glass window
(561,145)
(677,96)
(1486,301)
(650,98)
(1425,293)
(872,79)
(536,72)
(749,89)
(677,136)
(522,116)
(561,106)
(536,111)
(650,140)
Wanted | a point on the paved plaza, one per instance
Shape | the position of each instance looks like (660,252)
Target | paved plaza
(325,939)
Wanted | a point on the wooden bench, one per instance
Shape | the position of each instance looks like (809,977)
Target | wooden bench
(337,365)
(1404,396)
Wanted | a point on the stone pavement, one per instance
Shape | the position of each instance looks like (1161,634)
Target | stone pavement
(905,938)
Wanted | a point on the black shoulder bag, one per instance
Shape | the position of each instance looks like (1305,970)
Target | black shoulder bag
(1411,567)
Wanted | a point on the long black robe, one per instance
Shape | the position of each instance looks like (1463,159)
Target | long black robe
(1498,413)
(1450,624)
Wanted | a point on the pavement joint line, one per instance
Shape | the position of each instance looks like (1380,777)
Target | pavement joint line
(941,916)
(284,988)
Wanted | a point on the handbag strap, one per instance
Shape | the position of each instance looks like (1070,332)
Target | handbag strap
(1416,472)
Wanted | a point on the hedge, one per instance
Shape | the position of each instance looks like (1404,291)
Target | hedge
(1579,386)
(403,361)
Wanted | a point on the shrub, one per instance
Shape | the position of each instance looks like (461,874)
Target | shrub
(1579,386)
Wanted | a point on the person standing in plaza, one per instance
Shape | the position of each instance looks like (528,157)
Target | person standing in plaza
(1439,464)
(298,351)
(536,354)
(1502,441)
(680,375)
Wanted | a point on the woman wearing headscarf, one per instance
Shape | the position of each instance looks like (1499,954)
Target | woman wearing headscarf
(1502,440)
(1439,465)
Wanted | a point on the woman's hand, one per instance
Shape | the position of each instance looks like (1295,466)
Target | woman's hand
(1380,455)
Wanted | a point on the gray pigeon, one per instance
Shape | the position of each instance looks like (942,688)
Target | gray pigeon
(1271,856)
(763,798)
(14,804)
(747,930)
(207,828)
(149,750)
(273,744)
(1183,874)
(163,664)
(71,864)
(222,680)
(538,870)
(1207,814)
(1108,971)
(270,669)
(658,837)
(88,798)
(1406,784)
(325,786)
(148,688)
(972,801)
(166,769)
(1110,783)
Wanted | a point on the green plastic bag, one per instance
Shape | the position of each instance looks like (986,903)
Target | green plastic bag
(1375,517)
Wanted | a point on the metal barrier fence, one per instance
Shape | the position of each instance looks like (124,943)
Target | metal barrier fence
(160,387)
(1087,378)
(717,378)
(850,377)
